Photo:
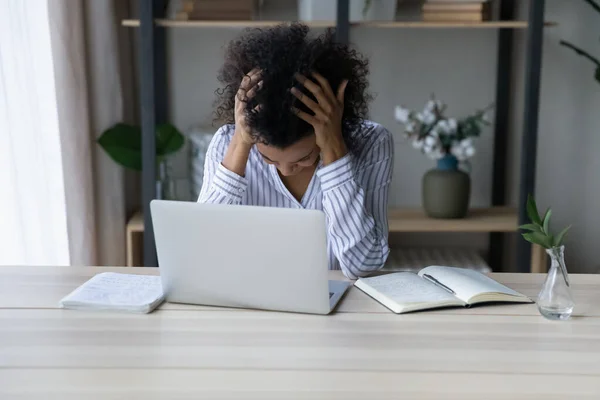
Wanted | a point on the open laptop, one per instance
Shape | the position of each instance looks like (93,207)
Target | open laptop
(244,256)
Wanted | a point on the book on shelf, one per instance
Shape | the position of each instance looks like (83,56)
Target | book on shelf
(436,287)
(456,1)
(455,17)
(456,11)
(211,9)
(455,7)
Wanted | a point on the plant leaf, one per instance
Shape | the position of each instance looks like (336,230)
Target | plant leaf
(597,75)
(560,237)
(539,239)
(531,227)
(168,139)
(122,143)
(532,211)
(546,222)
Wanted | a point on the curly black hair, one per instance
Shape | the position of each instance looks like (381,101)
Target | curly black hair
(280,52)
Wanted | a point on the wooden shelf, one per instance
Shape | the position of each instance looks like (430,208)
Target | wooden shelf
(133,23)
(168,23)
(495,219)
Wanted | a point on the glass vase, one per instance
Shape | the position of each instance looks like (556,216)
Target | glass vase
(555,300)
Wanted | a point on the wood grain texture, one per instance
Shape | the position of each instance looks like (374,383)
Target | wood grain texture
(495,219)
(361,351)
(133,23)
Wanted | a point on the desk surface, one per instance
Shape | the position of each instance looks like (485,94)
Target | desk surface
(363,351)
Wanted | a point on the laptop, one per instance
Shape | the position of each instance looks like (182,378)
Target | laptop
(244,257)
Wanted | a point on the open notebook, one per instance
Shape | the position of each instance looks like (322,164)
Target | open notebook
(117,292)
(436,287)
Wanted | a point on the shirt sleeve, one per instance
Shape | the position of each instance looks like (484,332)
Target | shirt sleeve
(220,185)
(355,199)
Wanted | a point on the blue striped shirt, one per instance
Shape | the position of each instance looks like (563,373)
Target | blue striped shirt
(352,192)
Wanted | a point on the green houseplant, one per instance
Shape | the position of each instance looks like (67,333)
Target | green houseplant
(555,300)
(584,53)
(123,143)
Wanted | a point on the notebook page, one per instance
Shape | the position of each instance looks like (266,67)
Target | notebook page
(406,288)
(466,283)
(117,290)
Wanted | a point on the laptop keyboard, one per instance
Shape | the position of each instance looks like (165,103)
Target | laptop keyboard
(330,294)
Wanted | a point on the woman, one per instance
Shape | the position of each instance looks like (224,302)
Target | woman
(297,138)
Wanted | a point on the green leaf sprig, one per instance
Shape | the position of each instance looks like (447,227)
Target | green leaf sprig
(538,231)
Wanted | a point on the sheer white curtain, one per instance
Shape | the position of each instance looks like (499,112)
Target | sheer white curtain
(33,219)
(57,189)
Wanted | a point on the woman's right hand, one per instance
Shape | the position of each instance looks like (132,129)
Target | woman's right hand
(248,88)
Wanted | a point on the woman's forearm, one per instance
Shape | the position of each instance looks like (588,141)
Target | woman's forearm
(237,154)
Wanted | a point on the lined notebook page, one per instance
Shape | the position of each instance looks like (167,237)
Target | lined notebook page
(406,288)
(110,290)
(467,283)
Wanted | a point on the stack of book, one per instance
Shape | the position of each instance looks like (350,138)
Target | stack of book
(456,11)
(227,10)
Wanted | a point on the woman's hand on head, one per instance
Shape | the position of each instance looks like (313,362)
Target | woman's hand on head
(327,115)
(248,88)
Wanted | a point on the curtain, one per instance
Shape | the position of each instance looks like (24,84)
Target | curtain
(33,220)
(60,87)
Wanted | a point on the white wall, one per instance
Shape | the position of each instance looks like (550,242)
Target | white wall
(568,167)
(459,66)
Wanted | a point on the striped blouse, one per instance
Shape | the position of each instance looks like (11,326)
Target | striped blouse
(352,192)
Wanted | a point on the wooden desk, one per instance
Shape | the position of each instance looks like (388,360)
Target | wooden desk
(361,352)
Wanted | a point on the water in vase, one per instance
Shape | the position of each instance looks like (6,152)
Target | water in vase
(555,300)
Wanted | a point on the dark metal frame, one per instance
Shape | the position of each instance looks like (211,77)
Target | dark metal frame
(153,84)
(533,69)
(502,107)
(153,95)
(342,23)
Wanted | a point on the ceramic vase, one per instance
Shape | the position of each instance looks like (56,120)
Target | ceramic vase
(446,190)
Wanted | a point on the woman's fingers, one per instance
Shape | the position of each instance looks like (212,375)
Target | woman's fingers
(316,90)
(308,102)
(248,86)
(324,85)
(252,92)
(304,116)
(341,91)
(250,79)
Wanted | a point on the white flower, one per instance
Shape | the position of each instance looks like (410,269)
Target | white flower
(402,114)
(470,151)
(435,131)
(410,127)
(442,125)
(430,141)
(428,117)
(452,125)
(417,144)
(458,151)
(466,143)
(435,154)
(431,105)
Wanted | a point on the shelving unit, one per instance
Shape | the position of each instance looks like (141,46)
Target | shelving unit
(495,220)
(407,220)
(167,23)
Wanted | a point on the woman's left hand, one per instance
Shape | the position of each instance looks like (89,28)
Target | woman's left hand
(327,119)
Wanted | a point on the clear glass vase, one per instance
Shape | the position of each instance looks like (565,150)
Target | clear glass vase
(555,300)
